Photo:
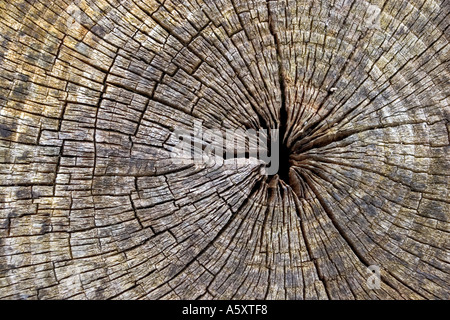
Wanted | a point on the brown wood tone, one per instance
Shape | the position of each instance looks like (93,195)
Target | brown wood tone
(92,205)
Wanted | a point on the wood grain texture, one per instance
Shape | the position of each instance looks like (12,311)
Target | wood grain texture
(92,207)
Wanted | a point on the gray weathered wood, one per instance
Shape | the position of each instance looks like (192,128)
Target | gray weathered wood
(91,206)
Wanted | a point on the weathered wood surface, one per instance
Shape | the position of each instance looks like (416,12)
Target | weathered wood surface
(91,207)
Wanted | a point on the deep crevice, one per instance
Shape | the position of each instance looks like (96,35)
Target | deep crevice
(284,150)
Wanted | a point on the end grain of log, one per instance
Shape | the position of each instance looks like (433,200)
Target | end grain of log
(92,207)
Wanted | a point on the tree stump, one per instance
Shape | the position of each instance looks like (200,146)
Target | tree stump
(93,205)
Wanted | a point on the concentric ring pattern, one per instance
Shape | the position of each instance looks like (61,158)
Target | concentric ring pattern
(92,205)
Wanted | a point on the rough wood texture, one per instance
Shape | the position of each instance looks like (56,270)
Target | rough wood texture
(91,207)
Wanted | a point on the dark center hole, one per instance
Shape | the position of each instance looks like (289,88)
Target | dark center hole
(284,151)
(284,154)
(283,170)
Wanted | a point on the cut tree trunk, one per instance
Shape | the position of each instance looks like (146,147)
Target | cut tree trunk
(93,205)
